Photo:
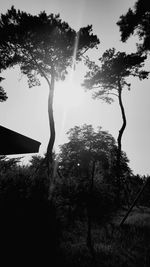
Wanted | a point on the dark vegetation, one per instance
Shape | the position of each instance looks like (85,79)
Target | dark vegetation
(36,229)
(75,221)
(28,222)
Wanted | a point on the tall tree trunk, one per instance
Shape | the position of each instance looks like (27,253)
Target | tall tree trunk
(119,140)
(49,154)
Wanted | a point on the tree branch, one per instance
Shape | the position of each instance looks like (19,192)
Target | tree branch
(37,65)
(113,94)
(84,52)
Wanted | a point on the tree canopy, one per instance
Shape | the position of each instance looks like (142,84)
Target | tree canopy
(3,95)
(137,20)
(114,68)
(109,79)
(86,146)
(43,46)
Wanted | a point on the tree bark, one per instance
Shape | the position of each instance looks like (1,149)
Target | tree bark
(49,154)
(119,140)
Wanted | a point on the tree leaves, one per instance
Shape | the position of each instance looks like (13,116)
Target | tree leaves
(86,146)
(44,38)
(3,95)
(114,67)
(137,20)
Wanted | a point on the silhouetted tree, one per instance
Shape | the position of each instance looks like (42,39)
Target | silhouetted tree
(89,155)
(3,56)
(3,95)
(80,155)
(137,20)
(109,80)
(84,147)
(43,46)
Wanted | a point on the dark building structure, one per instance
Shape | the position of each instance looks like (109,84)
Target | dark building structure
(14,143)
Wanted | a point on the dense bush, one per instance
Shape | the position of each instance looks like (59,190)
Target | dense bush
(33,227)
(72,196)
(28,225)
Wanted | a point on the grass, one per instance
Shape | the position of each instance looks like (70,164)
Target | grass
(127,246)
(28,234)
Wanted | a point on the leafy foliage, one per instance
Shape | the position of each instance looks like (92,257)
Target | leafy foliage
(137,20)
(3,95)
(29,218)
(85,146)
(41,44)
(8,164)
(114,68)
(26,216)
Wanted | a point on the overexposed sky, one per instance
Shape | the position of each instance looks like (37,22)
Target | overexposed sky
(25,111)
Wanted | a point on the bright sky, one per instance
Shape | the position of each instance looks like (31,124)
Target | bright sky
(25,111)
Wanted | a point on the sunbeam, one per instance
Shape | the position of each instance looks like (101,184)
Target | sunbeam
(70,96)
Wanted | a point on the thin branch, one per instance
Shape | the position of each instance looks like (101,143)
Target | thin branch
(113,94)
(37,65)
(108,93)
(96,87)
(87,59)
(84,52)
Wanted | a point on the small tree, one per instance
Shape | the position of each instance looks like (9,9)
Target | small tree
(43,46)
(88,156)
(109,80)
(79,156)
(85,146)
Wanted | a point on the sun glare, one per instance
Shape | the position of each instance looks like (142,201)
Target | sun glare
(68,96)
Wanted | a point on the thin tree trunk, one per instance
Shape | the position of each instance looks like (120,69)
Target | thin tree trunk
(49,155)
(119,140)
